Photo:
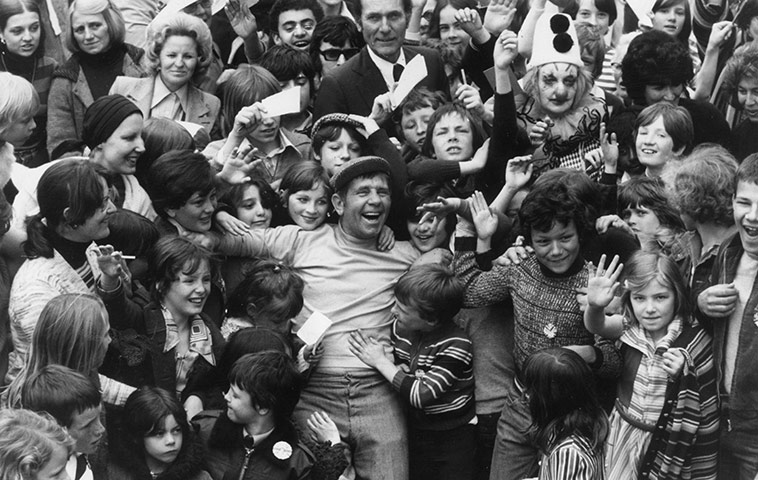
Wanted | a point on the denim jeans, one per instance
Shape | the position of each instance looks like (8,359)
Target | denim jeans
(369,416)
(515,457)
(738,454)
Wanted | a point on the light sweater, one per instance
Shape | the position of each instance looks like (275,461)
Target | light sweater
(347,279)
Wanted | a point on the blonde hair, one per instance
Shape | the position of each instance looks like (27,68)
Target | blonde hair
(27,443)
(184,25)
(18,100)
(69,332)
(111,15)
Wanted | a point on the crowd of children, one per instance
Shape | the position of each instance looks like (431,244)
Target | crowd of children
(378,239)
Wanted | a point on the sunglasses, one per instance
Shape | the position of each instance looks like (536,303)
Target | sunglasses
(333,54)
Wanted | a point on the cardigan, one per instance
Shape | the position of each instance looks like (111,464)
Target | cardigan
(70,96)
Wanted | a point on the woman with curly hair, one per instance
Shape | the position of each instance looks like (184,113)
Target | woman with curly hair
(178,54)
(740,82)
(703,188)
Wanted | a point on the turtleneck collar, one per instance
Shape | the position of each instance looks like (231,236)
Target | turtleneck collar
(112,56)
(355,241)
(75,253)
(18,65)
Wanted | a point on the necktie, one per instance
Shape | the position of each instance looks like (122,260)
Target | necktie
(81,466)
(397,70)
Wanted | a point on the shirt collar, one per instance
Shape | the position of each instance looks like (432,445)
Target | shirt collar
(161,91)
(257,439)
(385,67)
(201,341)
(284,144)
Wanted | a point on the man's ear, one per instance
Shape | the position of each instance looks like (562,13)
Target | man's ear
(276,38)
(251,309)
(338,203)
(262,411)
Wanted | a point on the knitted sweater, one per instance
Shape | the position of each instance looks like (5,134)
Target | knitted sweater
(545,307)
(347,279)
(440,385)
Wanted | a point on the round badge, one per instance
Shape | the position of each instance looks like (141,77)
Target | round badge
(282,450)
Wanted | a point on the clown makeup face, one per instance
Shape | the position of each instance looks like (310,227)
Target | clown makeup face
(557,85)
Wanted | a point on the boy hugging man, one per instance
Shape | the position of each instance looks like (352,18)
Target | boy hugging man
(547,314)
(432,370)
(254,437)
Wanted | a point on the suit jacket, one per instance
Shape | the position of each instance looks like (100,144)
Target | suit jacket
(202,108)
(352,87)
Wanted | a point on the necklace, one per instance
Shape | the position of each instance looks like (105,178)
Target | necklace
(34,68)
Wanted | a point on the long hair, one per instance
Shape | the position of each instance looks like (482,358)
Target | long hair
(563,399)
(69,332)
(27,443)
(144,413)
(111,15)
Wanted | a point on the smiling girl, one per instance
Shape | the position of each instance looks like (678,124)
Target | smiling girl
(157,441)
(663,133)
(666,419)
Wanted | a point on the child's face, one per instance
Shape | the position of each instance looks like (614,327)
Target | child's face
(239,406)
(450,29)
(670,19)
(654,307)
(308,208)
(643,222)
(747,97)
(745,206)
(414,127)
(265,133)
(558,248)
(55,468)
(196,214)
(251,211)
(335,153)
(19,131)
(428,235)
(409,318)
(164,443)
(654,145)
(590,15)
(86,430)
(186,295)
(453,139)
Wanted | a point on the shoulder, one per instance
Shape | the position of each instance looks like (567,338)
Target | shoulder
(68,70)
(572,450)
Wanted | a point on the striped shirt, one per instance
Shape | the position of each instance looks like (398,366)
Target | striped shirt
(572,459)
(440,382)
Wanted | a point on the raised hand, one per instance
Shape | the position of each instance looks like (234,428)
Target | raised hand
(484,219)
(241,18)
(607,154)
(441,208)
(238,165)
(506,49)
(499,15)
(370,125)
(469,20)
(720,33)
(602,286)
(518,171)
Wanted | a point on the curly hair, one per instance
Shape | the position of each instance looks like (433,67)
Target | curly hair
(552,204)
(184,25)
(654,58)
(741,66)
(28,442)
(704,185)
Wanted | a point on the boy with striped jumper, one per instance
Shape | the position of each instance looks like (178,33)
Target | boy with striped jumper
(432,369)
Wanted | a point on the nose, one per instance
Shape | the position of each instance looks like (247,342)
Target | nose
(555,248)
(99,428)
(88,33)
(385,26)
(341,59)
(421,129)
(427,225)
(592,20)
(752,215)
(27,35)
(669,95)
(259,211)
(111,207)
(344,153)
(310,207)
(299,31)
(227,395)
(208,205)
(139,144)
(750,99)
(170,438)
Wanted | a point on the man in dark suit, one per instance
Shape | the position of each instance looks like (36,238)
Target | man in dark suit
(352,87)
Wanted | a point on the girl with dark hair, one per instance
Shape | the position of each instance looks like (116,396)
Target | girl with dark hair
(156,441)
(666,420)
(22,54)
(568,423)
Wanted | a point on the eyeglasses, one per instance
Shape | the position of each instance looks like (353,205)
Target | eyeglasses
(333,54)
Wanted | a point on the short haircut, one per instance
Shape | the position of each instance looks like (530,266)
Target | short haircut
(245,86)
(645,266)
(234,195)
(331,131)
(304,176)
(418,193)
(544,208)
(287,63)
(434,290)
(654,58)
(743,65)
(583,84)
(676,120)
(274,289)
(649,193)
(748,171)
(173,255)
(144,413)
(336,31)
(160,136)
(281,6)
(579,185)
(18,100)
(176,176)
(421,97)
(704,185)
(61,392)
(608,7)
(111,15)
(183,25)
(407,8)
(28,442)
(453,108)
(592,46)
(272,381)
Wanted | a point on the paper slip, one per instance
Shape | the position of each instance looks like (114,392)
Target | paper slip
(414,72)
(219,5)
(314,328)
(641,8)
(282,103)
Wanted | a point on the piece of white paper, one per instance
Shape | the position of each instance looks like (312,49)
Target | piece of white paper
(414,72)
(642,8)
(282,103)
(219,5)
(314,328)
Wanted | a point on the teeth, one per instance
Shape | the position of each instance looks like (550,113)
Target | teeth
(752,231)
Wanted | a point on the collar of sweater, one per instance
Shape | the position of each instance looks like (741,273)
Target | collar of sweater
(350,240)
(75,253)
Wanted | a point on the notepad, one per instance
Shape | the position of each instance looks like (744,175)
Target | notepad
(314,328)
